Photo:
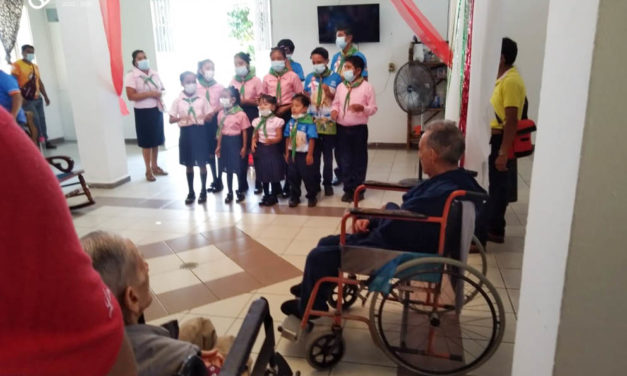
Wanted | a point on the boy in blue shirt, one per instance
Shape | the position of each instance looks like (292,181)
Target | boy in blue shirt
(344,41)
(288,46)
(320,86)
(11,97)
(300,139)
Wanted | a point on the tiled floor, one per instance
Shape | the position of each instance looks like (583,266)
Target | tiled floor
(213,260)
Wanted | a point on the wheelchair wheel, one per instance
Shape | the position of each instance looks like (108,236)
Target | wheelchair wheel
(325,351)
(479,261)
(425,323)
(350,294)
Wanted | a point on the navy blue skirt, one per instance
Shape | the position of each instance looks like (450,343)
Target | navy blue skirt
(212,130)
(193,146)
(269,163)
(230,159)
(149,127)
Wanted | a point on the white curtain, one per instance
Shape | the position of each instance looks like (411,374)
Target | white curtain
(10,14)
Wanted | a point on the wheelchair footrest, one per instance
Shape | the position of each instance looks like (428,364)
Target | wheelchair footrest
(290,328)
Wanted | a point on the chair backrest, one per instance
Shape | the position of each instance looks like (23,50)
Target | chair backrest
(460,227)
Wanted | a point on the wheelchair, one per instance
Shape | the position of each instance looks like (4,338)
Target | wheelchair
(430,313)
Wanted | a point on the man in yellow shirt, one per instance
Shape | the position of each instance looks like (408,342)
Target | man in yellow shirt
(508,100)
(32,88)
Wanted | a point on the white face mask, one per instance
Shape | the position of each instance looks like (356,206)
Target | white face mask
(189,89)
(340,42)
(319,68)
(30,57)
(289,56)
(278,65)
(298,116)
(266,112)
(241,70)
(225,102)
(143,64)
(208,75)
(349,75)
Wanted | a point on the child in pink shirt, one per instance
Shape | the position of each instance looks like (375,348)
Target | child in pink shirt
(267,152)
(191,111)
(281,83)
(353,104)
(232,134)
(211,90)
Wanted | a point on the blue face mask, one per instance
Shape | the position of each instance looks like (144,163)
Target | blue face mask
(278,65)
(30,57)
(143,64)
(349,75)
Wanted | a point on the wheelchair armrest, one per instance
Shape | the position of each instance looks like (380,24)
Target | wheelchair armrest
(386,185)
(383,213)
(58,161)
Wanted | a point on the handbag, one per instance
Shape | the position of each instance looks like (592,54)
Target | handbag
(29,90)
(523,145)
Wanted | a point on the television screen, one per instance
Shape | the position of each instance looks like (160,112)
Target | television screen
(363,20)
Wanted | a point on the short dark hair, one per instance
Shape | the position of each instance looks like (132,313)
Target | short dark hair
(277,49)
(203,62)
(509,50)
(134,54)
(320,51)
(25,46)
(286,43)
(345,28)
(269,99)
(302,98)
(356,61)
(446,139)
(185,74)
(244,56)
(233,92)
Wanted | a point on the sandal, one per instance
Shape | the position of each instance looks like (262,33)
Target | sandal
(150,176)
(159,171)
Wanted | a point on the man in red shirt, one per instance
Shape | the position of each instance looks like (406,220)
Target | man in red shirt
(57,316)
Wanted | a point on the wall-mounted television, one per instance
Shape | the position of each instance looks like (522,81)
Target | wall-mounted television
(363,20)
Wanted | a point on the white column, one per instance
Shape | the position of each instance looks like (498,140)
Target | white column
(95,108)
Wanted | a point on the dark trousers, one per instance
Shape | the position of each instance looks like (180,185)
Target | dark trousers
(297,172)
(322,261)
(353,149)
(324,156)
(36,106)
(502,188)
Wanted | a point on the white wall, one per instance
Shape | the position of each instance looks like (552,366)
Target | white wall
(297,20)
(567,63)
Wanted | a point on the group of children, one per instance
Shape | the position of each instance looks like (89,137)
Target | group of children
(290,129)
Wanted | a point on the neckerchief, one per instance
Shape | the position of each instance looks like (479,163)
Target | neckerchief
(191,110)
(207,84)
(231,111)
(278,76)
(307,119)
(262,124)
(343,56)
(325,74)
(148,79)
(243,80)
(350,86)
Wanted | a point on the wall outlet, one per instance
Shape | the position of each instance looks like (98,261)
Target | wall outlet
(391,67)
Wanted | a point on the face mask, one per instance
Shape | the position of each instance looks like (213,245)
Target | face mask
(349,75)
(278,65)
(143,64)
(298,116)
(241,70)
(30,57)
(289,56)
(208,75)
(266,112)
(225,102)
(340,42)
(189,88)
(319,68)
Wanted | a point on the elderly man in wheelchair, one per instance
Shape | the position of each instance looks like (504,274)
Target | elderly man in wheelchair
(431,312)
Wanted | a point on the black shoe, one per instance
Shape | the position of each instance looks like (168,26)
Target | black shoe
(271,201)
(296,290)
(312,202)
(229,198)
(50,145)
(336,182)
(347,197)
(328,190)
(190,199)
(294,203)
(202,198)
(240,197)
(263,201)
(216,187)
(290,307)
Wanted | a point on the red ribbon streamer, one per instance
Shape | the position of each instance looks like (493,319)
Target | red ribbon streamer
(424,29)
(463,113)
(110,10)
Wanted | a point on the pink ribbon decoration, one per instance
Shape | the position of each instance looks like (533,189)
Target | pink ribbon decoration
(427,33)
(110,10)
